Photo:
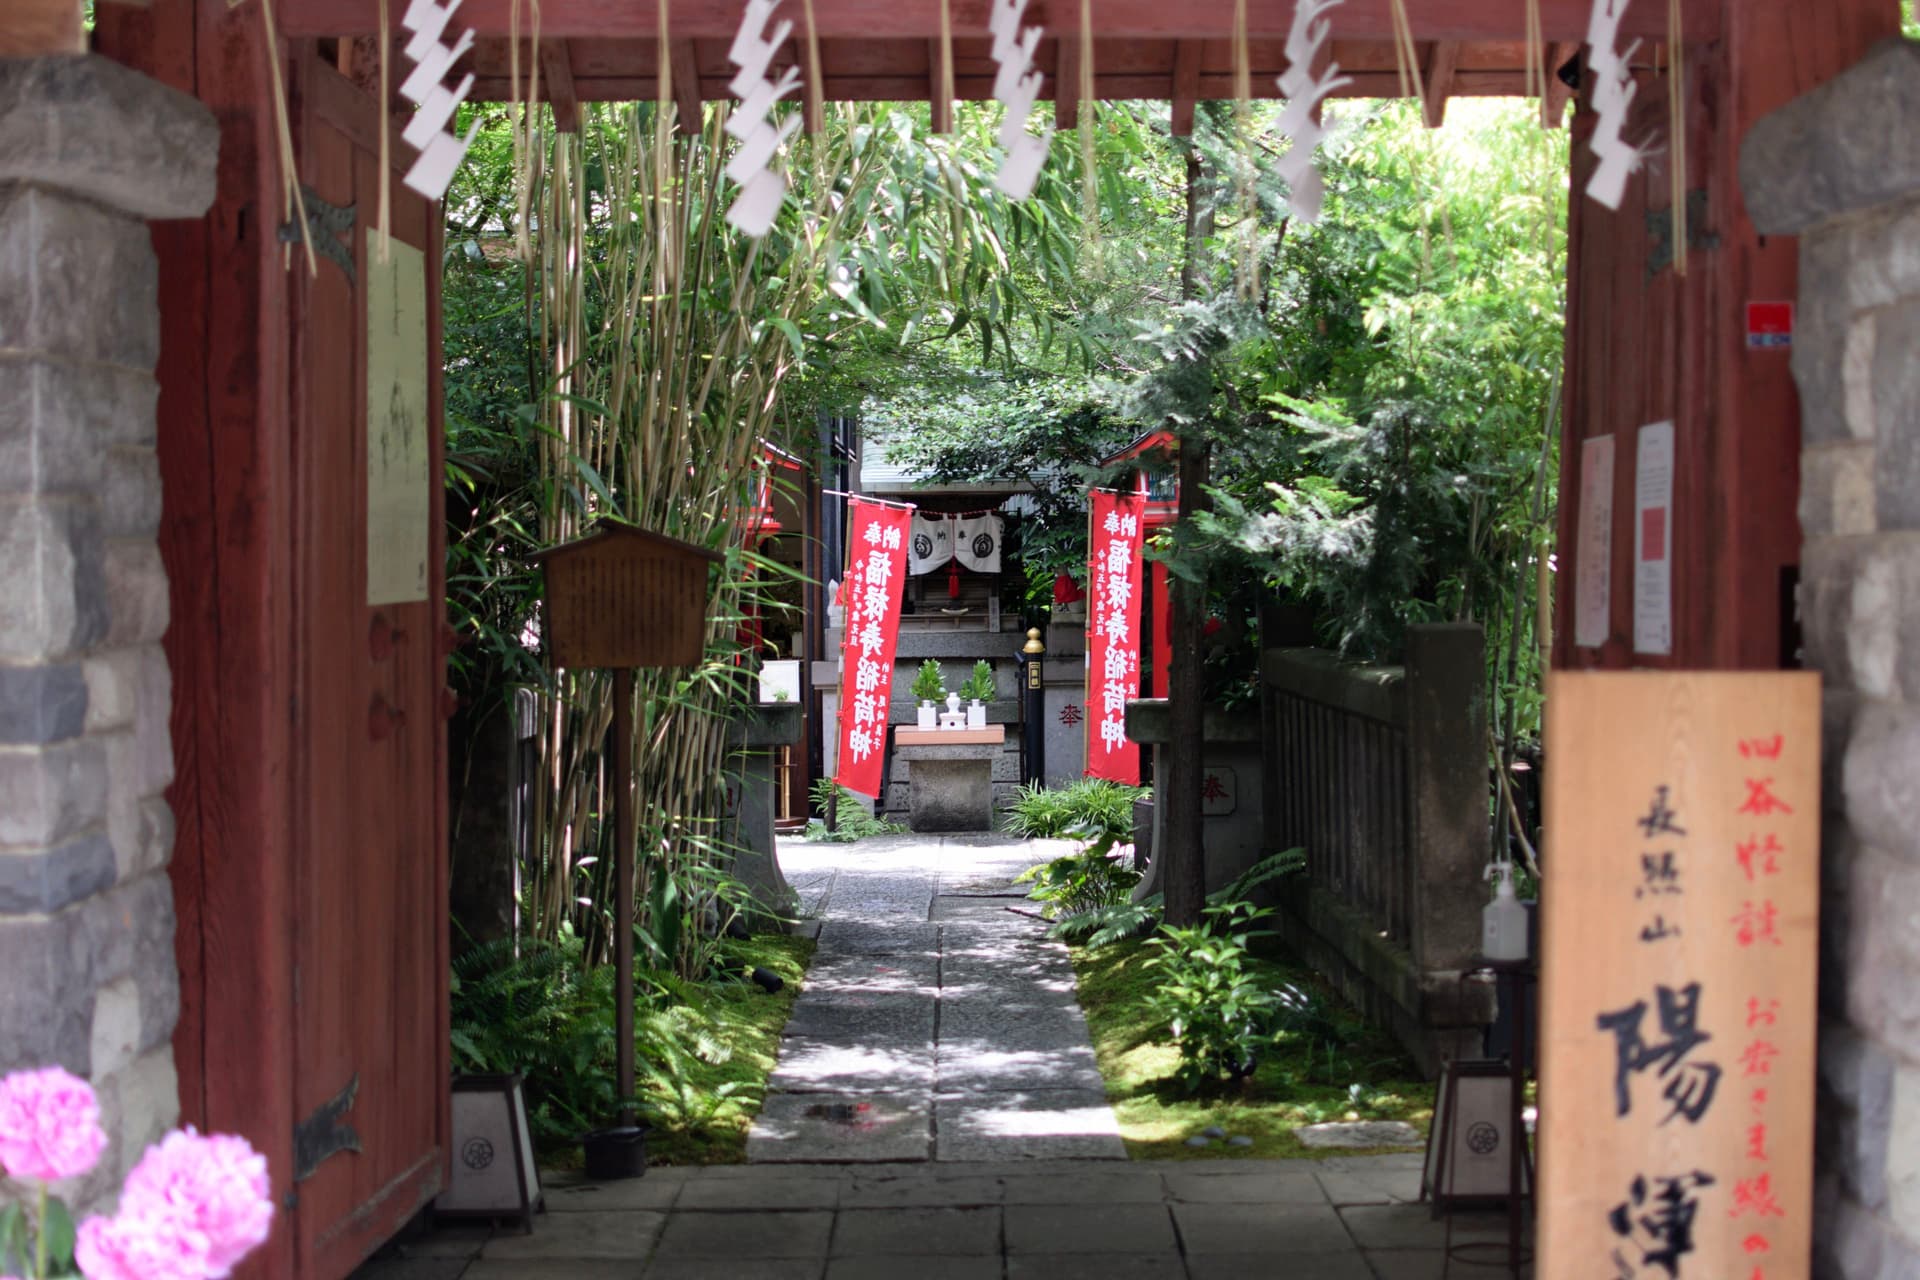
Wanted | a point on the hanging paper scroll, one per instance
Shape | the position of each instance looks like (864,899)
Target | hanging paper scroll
(1113,634)
(876,570)
(1680,934)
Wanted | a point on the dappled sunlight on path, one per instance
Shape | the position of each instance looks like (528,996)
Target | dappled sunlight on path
(935,1024)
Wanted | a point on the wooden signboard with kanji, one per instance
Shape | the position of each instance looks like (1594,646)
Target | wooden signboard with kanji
(624,597)
(1681,920)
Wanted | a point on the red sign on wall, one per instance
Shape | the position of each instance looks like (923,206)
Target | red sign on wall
(876,572)
(1769,326)
(1113,634)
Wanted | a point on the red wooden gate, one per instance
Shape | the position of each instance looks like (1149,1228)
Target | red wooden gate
(309,866)
(369,772)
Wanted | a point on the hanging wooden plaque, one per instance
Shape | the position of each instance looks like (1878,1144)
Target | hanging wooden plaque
(624,597)
(1680,927)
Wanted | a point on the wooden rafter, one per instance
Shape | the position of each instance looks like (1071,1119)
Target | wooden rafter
(556,67)
(35,27)
(1466,20)
(1065,84)
(1437,75)
(1559,92)
(686,84)
(1186,85)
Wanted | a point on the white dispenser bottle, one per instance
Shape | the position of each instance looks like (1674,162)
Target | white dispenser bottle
(1503,922)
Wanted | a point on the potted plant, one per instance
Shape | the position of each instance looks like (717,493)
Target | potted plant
(978,690)
(927,687)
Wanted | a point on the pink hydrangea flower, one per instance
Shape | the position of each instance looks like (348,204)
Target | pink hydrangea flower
(200,1202)
(126,1248)
(49,1125)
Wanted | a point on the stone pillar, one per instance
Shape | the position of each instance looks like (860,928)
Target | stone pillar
(89,150)
(1841,168)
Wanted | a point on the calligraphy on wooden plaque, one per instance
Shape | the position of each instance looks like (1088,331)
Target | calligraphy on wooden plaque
(625,597)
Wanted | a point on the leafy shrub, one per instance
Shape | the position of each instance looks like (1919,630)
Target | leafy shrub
(853,820)
(1218,1013)
(979,685)
(1105,925)
(1104,807)
(1076,883)
(929,685)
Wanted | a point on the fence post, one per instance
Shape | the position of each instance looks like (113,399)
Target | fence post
(1447,791)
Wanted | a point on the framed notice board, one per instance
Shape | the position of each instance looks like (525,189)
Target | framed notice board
(1679,933)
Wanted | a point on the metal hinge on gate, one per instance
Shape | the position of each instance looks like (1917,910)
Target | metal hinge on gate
(324,1133)
(331,227)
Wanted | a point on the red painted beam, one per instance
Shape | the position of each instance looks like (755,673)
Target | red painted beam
(1467,20)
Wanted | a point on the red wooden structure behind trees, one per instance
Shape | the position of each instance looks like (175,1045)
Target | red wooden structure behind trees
(310,870)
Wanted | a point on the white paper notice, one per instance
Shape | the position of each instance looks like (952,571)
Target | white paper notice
(399,488)
(1653,541)
(1593,564)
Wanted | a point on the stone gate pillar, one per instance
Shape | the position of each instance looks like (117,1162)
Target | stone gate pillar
(1841,168)
(89,150)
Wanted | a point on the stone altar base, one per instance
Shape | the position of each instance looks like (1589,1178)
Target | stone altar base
(951,779)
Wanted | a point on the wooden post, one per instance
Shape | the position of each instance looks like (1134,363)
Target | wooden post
(624,839)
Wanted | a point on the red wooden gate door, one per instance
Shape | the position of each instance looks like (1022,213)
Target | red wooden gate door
(369,773)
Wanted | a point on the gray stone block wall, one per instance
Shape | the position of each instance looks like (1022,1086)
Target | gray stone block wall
(1841,168)
(89,150)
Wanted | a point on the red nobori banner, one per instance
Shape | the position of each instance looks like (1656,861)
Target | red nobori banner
(876,572)
(1113,634)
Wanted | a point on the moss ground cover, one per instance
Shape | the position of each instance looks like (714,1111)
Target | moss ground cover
(747,1021)
(1333,1067)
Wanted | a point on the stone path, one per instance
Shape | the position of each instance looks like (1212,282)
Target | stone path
(1338,1219)
(937,1116)
(935,1024)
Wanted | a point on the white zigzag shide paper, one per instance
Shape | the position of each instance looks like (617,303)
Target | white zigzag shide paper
(762,189)
(1304,92)
(1016,84)
(440,152)
(1612,97)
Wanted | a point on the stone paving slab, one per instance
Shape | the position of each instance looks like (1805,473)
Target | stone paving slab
(816,1126)
(1324,1266)
(914,1267)
(797,1234)
(1036,1124)
(1108,1266)
(1080,1229)
(870,938)
(625,1233)
(732,1269)
(944,1231)
(828,1066)
(864,1017)
(1265,1230)
(970,1067)
(843,972)
(568,1269)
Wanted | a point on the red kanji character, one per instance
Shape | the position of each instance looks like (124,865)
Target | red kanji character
(1758,1058)
(1762,1016)
(1756,1244)
(1212,789)
(1757,1142)
(1763,748)
(1759,1098)
(1755,1196)
(1070,714)
(1763,853)
(1756,924)
(1761,800)
(1759,1272)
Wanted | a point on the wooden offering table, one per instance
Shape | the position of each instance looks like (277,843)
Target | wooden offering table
(950,776)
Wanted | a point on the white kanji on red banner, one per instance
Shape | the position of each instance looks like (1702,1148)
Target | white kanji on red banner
(876,570)
(1113,634)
